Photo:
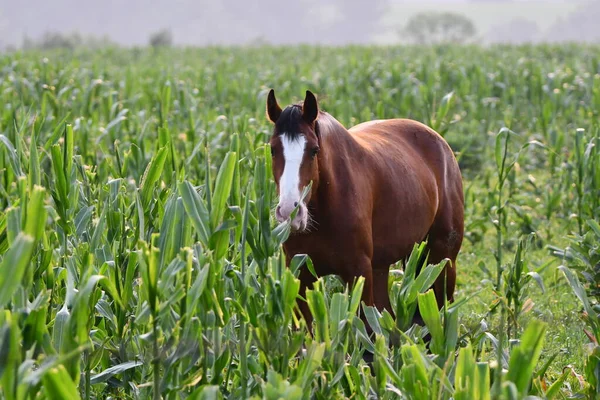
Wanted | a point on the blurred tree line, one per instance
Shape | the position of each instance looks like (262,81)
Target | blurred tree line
(207,22)
(434,27)
(196,22)
(58,40)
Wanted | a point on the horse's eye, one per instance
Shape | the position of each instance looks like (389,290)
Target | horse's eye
(314,152)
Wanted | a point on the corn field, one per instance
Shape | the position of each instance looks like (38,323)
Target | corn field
(140,259)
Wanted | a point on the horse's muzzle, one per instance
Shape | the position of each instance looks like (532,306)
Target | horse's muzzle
(284,211)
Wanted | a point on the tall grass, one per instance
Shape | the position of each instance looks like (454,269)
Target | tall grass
(139,257)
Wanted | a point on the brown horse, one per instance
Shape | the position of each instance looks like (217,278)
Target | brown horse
(377,189)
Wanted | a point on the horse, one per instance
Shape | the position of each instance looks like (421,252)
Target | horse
(377,189)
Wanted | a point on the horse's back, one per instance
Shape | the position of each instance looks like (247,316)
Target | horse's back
(397,134)
(409,141)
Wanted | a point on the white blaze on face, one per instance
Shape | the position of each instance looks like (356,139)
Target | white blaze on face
(289,183)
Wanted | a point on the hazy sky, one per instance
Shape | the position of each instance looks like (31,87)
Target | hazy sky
(198,22)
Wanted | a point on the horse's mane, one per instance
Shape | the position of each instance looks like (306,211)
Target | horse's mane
(328,125)
(291,117)
(288,122)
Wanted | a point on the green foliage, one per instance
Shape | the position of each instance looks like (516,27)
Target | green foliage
(592,317)
(139,257)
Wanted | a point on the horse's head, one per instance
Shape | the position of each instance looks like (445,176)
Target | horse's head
(295,149)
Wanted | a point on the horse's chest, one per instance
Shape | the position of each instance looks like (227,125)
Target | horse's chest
(328,256)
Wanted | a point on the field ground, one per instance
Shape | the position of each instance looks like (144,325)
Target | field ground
(131,283)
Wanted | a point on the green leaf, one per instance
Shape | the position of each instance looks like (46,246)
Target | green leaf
(501,150)
(84,302)
(410,271)
(450,331)
(465,384)
(296,262)
(525,356)
(309,364)
(222,189)
(15,163)
(356,295)
(114,370)
(34,175)
(428,275)
(152,175)
(538,279)
(554,389)
(13,266)
(414,371)
(316,304)
(208,392)
(482,381)
(595,226)
(54,137)
(338,310)
(60,329)
(578,288)
(68,152)
(59,176)
(196,210)
(431,316)
(36,213)
(372,315)
(10,353)
(57,384)
(5,348)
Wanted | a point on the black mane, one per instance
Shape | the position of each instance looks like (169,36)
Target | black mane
(290,120)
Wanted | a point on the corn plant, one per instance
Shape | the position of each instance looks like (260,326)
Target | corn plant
(139,257)
(592,318)
(517,278)
(587,165)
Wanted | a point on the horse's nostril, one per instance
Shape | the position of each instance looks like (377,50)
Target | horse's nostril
(295,204)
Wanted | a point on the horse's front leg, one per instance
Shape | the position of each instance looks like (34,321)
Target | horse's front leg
(364,269)
(381,295)
(306,281)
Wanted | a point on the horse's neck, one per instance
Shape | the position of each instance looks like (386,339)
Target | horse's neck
(339,151)
(334,136)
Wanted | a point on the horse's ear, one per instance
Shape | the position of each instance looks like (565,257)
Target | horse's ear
(273,109)
(310,108)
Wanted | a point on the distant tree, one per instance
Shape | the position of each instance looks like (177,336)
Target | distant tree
(54,40)
(439,27)
(58,40)
(161,38)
